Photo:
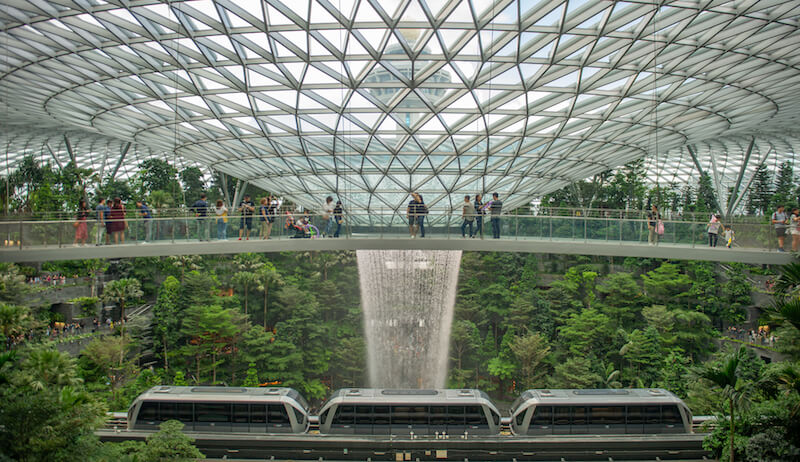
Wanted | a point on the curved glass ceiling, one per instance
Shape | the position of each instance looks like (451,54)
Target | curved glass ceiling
(372,99)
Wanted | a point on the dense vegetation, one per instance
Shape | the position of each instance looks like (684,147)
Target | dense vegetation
(294,319)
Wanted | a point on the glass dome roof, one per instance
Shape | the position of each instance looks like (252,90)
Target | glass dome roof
(369,100)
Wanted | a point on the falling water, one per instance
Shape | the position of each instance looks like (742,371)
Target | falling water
(408,298)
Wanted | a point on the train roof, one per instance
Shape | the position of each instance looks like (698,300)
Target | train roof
(176,393)
(385,395)
(598,396)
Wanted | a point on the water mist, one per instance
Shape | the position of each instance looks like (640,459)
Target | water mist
(408,298)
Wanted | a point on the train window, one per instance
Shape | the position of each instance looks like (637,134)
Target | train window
(380,415)
(343,416)
(455,415)
(495,417)
(277,414)
(213,412)
(323,416)
(241,414)
(635,415)
(298,415)
(543,415)
(652,415)
(258,414)
(561,415)
(579,415)
(438,415)
(364,415)
(607,415)
(401,415)
(670,415)
(185,412)
(168,411)
(419,415)
(520,418)
(149,411)
(475,416)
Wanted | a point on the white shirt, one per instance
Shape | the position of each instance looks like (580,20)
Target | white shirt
(328,207)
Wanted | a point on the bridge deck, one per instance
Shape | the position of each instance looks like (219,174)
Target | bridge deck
(401,242)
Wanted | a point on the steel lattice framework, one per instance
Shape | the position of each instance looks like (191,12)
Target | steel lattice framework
(371,99)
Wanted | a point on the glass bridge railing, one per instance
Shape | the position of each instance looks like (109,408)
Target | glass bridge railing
(23,234)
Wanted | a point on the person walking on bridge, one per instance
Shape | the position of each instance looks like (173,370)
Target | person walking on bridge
(779,219)
(200,208)
(102,211)
(338,215)
(327,216)
(246,208)
(468,215)
(147,220)
(652,222)
(479,213)
(495,208)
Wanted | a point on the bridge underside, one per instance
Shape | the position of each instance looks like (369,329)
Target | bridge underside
(555,246)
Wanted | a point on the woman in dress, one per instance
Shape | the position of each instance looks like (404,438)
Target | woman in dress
(117,218)
(81,231)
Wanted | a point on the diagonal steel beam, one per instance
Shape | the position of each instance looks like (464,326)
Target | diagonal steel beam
(750,181)
(734,198)
(55,157)
(69,150)
(123,152)
(702,172)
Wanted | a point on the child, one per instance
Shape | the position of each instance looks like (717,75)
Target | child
(730,236)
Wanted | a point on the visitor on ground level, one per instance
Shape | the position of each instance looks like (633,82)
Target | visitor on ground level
(265,225)
(81,230)
(652,223)
(338,215)
(246,209)
(479,213)
(200,208)
(729,236)
(147,220)
(713,227)
(102,211)
(117,218)
(327,216)
(779,220)
(495,208)
(221,213)
(468,216)
(794,228)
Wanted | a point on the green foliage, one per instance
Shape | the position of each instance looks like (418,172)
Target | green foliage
(251,380)
(12,284)
(575,372)
(586,332)
(88,305)
(122,292)
(170,443)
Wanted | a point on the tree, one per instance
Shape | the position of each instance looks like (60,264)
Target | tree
(644,352)
(212,330)
(122,291)
(759,199)
(157,174)
(706,196)
(586,332)
(170,443)
(666,283)
(166,319)
(725,377)
(13,288)
(530,350)
(45,368)
(784,185)
(266,276)
(15,320)
(108,353)
(246,280)
(193,185)
(251,380)
(465,338)
(575,372)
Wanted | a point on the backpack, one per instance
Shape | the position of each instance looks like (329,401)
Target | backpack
(660,227)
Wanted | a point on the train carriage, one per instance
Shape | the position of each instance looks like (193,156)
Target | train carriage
(221,409)
(598,411)
(373,411)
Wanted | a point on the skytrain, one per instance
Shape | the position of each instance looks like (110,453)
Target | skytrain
(412,413)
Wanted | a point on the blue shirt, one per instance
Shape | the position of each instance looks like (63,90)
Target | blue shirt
(144,211)
(200,208)
(102,212)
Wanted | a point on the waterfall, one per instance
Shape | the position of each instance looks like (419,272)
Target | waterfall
(408,298)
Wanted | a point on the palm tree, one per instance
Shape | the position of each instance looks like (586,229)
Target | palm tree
(266,276)
(245,279)
(789,382)
(784,311)
(726,378)
(45,367)
(789,279)
(610,376)
(122,291)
